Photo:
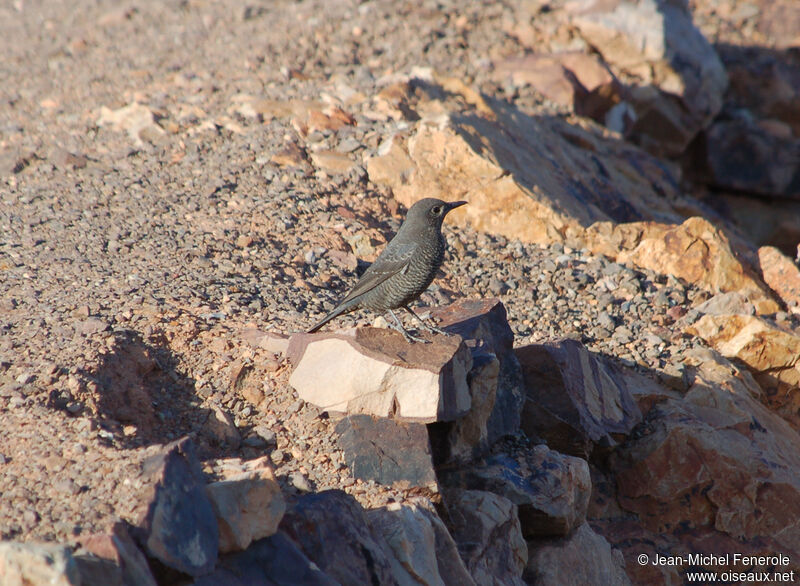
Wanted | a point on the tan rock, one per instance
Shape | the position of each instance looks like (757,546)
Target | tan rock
(581,558)
(135,119)
(695,251)
(530,178)
(716,459)
(332,161)
(782,275)
(220,427)
(422,550)
(247,502)
(572,79)
(30,564)
(377,372)
(772,354)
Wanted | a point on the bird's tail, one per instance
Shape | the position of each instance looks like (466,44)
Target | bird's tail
(335,313)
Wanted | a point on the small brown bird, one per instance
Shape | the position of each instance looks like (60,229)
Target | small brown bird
(404,269)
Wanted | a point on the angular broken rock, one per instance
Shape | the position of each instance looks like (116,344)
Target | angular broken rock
(742,155)
(119,549)
(23,564)
(247,502)
(175,522)
(268,562)
(574,398)
(682,78)
(571,78)
(377,372)
(531,178)
(715,459)
(495,380)
(551,490)
(423,552)
(695,251)
(727,304)
(581,558)
(782,275)
(332,529)
(771,353)
(387,451)
(489,536)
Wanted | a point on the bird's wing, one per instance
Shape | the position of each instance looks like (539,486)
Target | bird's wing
(393,260)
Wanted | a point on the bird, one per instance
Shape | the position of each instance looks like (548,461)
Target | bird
(404,269)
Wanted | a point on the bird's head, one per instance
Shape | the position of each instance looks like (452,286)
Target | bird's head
(431,211)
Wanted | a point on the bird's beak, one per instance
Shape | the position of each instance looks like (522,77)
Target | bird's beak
(455,204)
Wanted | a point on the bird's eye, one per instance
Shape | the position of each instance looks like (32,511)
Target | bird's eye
(437,210)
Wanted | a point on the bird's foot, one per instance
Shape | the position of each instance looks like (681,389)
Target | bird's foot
(410,338)
(435,330)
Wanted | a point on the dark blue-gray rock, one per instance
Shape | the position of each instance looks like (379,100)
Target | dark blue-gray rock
(551,490)
(331,528)
(483,324)
(175,521)
(488,534)
(272,561)
(387,451)
(574,399)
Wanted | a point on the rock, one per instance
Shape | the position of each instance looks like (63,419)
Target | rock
(96,571)
(423,550)
(495,380)
(782,276)
(290,155)
(551,490)
(91,326)
(732,303)
(680,79)
(571,78)
(581,558)
(119,549)
(272,561)
(487,530)
(695,251)
(220,427)
(714,459)
(332,162)
(270,341)
(764,82)
(535,179)
(247,502)
(387,451)
(377,372)
(175,522)
(574,398)
(135,119)
(771,353)
(333,531)
(742,155)
(24,564)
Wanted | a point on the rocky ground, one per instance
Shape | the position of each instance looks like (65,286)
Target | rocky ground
(177,178)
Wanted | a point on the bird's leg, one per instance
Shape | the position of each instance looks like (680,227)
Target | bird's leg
(399,327)
(430,328)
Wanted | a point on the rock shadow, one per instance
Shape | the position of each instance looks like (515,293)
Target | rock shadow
(140,397)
